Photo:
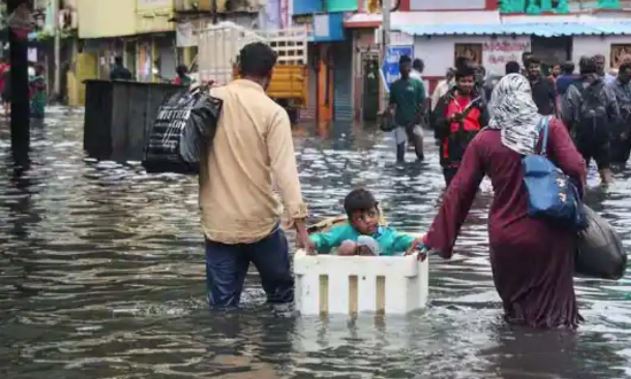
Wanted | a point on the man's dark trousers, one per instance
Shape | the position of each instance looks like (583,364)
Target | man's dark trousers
(227,266)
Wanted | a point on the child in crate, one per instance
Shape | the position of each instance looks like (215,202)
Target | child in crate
(362,234)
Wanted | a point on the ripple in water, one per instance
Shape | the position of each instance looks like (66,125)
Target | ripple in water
(102,276)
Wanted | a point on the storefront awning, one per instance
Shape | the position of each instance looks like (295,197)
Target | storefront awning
(373,20)
(552,29)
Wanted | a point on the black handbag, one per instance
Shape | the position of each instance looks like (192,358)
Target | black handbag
(599,252)
(386,122)
(184,127)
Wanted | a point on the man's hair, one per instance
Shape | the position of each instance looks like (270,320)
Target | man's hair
(587,65)
(118,60)
(599,56)
(465,71)
(533,60)
(512,67)
(181,69)
(359,199)
(568,67)
(405,59)
(418,65)
(461,62)
(257,59)
(624,66)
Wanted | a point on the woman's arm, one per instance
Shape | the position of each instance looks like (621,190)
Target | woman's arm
(457,201)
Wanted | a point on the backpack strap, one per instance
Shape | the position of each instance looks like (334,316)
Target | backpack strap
(545,126)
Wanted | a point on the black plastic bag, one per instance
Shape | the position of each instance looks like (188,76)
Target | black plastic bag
(600,253)
(185,125)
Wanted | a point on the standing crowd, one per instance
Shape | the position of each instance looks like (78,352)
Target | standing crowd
(36,86)
(594,105)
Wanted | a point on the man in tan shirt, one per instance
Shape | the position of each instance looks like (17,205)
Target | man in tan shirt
(251,155)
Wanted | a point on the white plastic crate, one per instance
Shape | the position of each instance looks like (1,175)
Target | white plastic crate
(330,284)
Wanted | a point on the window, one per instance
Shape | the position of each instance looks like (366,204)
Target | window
(471,51)
(618,52)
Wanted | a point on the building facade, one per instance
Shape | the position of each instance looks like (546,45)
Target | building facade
(142,32)
(491,33)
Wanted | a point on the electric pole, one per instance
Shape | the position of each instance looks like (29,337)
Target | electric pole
(385,26)
(214,10)
(385,42)
(20,109)
(57,77)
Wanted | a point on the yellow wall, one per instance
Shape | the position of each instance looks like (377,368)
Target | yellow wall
(154,15)
(85,67)
(106,18)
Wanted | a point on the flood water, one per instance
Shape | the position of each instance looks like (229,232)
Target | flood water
(102,276)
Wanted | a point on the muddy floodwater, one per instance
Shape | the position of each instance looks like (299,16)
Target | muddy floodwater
(102,276)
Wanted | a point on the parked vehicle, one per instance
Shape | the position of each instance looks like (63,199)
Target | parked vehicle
(219,47)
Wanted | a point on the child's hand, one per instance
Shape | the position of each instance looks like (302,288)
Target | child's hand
(310,248)
(365,251)
(347,248)
(418,246)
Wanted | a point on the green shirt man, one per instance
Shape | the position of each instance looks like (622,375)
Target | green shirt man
(407,95)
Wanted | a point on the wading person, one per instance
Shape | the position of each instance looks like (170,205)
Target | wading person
(443,87)
(600,62)
(182,78)
(621,135)
(532,259)
(37,89)
(512,67)
(458,117)
(120,72)
(407,98)
(590,111)
(566,78)
(5,86)
(239,209)
(543,91)
(525,57)
(418,66)
(555,73)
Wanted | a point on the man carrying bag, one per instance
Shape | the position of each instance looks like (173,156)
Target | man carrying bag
(240,212)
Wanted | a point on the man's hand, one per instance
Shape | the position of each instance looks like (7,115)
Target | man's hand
(302,236)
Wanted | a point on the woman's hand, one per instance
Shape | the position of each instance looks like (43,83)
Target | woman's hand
(418,246)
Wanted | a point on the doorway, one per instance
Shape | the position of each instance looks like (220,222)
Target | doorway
(370,95)
(552,50)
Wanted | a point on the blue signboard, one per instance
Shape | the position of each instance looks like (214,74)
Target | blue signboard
(391,65)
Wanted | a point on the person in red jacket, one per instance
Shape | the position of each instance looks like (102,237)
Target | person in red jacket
(458,117)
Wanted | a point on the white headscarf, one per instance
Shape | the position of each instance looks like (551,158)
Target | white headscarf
(514,113)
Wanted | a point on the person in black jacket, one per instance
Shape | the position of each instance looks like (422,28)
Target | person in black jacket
(119,72)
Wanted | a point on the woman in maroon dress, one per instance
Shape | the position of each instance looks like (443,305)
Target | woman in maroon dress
(532,260)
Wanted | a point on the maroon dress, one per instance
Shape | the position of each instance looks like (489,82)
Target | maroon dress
(532,260)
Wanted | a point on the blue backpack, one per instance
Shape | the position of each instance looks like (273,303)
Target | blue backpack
(551,193)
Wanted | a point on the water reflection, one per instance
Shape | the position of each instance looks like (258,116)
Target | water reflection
(101,275)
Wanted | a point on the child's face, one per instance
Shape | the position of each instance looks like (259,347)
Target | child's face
(366,221)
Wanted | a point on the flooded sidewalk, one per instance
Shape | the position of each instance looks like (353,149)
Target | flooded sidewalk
(102,276)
